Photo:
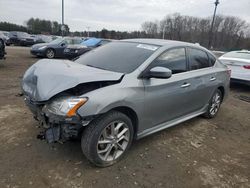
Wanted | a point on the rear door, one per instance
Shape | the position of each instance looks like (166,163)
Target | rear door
(203,78)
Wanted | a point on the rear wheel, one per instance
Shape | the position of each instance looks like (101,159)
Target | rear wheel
(214,104)
(50,53)
(107,139)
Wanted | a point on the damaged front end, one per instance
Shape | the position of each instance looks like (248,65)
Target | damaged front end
(58,117)
(56,127)
(54,90)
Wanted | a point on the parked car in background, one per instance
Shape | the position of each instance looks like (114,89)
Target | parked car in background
(42,38)
(218,53)
(239,63)
(2,48)
(55,48)
(5,36)
(21,38)
(122,91)
(73,51)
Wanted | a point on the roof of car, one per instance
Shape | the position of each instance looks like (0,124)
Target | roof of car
(161,42)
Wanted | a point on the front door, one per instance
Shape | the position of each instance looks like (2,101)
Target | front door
(168,99)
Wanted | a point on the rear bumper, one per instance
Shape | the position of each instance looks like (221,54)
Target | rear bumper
(240,81)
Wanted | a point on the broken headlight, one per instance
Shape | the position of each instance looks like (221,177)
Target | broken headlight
(66,106)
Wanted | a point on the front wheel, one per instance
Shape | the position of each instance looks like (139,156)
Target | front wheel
(214,104)
(50,53)
(107,139)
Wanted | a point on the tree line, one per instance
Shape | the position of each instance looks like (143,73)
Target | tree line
(37,26)
(6,26)
(229,32)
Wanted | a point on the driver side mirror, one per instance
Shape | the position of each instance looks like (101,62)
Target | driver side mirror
(63,44)
(158,72)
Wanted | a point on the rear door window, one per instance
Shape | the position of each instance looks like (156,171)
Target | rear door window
(198,59)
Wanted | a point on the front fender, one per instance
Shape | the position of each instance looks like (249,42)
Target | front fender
(105,99)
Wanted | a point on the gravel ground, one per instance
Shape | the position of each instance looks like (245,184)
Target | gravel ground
(197,153)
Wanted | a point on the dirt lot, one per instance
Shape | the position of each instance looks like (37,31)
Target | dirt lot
(198,153)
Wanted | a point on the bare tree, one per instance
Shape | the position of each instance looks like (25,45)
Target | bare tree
(229,32)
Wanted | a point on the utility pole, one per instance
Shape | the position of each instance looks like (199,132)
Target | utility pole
(88,30)
(163,32)
(62,28)
(210,40)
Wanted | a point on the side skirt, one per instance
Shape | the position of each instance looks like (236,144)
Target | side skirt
(171,123)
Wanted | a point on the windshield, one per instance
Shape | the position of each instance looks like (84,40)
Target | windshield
(23,34)
(122,57)
(238,54)
(56,41)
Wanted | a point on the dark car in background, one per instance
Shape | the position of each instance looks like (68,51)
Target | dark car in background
(42,38)
(73,51)
(21,38)
(2,47)
(55,48)
(5,36)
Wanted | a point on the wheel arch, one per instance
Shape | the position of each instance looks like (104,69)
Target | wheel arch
(222,90)
(131,114)
(50,48)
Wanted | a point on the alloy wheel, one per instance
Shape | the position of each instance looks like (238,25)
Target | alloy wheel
(50,54)
(216,101)
(113,141)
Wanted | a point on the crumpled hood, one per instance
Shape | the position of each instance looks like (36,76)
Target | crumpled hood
(46,78)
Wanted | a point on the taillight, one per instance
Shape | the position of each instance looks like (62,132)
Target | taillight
(229,72)
(246,66)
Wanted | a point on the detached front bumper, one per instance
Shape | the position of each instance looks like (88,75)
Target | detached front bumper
(56,128)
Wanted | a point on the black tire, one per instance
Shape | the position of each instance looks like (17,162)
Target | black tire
(210,113)
(50,53)
(92,134)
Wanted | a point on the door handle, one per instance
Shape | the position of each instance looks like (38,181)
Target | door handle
(185,85)
(212,79)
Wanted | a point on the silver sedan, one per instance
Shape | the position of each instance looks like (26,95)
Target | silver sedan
(122,91)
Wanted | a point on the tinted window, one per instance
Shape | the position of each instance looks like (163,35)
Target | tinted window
(212,59)
(122,57)
(174,60)
(198,59)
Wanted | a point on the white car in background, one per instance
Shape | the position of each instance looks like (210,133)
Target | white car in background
(239,64)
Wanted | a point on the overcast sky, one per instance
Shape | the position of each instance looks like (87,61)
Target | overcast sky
(123,15)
